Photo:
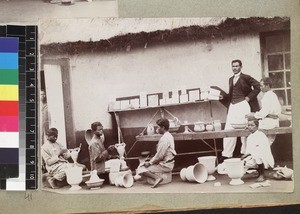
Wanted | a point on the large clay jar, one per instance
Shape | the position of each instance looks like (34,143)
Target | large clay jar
(210,163)
(235,170)
(196,173)
(74,177)
(150,129)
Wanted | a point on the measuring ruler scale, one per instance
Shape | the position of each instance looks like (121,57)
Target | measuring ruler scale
(28,161)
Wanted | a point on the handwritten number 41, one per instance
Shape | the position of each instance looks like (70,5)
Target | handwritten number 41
(28,196)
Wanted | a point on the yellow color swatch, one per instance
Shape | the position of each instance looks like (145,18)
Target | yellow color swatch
(9,92)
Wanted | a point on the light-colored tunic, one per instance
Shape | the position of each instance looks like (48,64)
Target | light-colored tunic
(55,164)
(98,153)
(270,105)
(259,148)
(163,160)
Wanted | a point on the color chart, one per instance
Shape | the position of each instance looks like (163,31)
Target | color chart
(9,108)
(26,37)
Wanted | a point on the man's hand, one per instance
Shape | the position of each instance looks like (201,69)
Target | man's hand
(111,148)
(147,164)
(62,151)
(247,99)
(250,115)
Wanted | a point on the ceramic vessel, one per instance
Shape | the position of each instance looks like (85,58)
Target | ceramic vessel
(124,180)
(150,129)
(217,125)
(74,156)
(174,125)
(120,149)
(74,177)
(286,172)
(195,173)
(235,170)
(209,127)
(199,127)
(210,163)
(182,174)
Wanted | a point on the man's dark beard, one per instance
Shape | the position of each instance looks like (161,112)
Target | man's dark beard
(98,134)
(52,140)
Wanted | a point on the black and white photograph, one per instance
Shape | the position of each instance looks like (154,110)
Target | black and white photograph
(165,105)
(29,11)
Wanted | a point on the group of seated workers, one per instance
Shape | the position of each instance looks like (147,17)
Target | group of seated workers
(56,157)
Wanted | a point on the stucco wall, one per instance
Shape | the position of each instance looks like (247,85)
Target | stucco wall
(96,76)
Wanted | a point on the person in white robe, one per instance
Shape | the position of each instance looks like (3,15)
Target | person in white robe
(258,151)
(270,109)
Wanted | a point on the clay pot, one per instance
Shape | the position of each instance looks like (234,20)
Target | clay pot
(210,163)
(120,149)
(150,129)
(74,177)
(124,180)
(182,174)
(195,173)
(286,172)
(217,125)
(74,156)
(199,127)
(209,127)
(235,170)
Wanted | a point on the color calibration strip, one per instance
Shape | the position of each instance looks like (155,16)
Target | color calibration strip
(9,108)
(27,36)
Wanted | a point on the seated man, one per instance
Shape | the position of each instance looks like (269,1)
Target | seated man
(258,152)
(98,153)
(55,157)
(270,109)
(163,160)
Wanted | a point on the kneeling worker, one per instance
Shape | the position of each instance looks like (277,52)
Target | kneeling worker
(163,160)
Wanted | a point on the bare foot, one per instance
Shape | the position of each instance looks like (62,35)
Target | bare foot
(51,181)
(156,182)
(260,178)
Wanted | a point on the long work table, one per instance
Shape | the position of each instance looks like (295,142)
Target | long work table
(212,135)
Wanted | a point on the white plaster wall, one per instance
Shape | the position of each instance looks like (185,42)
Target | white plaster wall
(95,76)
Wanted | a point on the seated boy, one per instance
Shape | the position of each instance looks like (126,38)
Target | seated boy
(258,152)
(98,153)
(55,157)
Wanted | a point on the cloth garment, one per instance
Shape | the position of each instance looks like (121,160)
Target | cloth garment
(163,160)
(98,153)
(249,87)
(259,149)
(236,78)
(237,110)
(270,105)
(236,114)
(55,165)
